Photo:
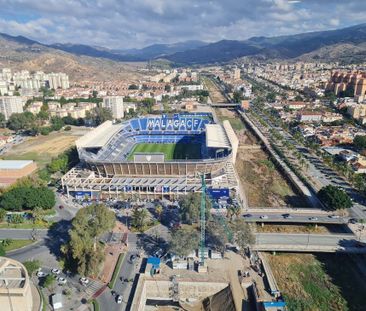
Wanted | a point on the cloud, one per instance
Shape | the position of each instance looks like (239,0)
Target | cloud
(123,24)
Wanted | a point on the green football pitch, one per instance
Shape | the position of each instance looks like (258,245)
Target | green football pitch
(171,151)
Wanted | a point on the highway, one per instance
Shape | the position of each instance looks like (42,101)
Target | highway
(289,218)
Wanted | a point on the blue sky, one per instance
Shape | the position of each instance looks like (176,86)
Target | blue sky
(123,24)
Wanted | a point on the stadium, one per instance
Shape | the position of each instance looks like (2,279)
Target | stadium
(154,156)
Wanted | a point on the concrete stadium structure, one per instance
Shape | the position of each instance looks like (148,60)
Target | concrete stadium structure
(15,287)
(111,168)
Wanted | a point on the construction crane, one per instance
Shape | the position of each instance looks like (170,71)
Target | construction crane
(203,221)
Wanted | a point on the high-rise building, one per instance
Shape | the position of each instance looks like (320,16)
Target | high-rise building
(10,105)
(115,104)
(236,74)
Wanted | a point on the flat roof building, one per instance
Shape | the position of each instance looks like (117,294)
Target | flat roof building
(12,170)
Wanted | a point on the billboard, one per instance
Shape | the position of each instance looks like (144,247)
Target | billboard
(218,193)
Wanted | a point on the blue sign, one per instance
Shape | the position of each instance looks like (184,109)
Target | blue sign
(166,188)
(218,193)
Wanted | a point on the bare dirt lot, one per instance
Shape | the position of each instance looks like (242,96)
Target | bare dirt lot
(264,185)
(42,149)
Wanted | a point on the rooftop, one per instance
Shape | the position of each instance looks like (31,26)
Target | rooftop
(216,136)
(14,164)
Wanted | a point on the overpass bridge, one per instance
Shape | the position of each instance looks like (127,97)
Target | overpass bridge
(310,243)
(225,105)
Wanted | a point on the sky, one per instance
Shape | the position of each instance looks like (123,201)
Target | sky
(124,24)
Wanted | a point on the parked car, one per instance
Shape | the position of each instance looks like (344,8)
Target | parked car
(119,299)
(61,280)
(287,216)
(56,271)
(60,206)
(41,274)
(313,218)
(84,281)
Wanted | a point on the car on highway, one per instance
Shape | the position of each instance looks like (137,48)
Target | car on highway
(56,271)
(61,280)
(84,281)
(313,218)
(119,299)
(263,217)
(334,216)
(41,274)
(133,258)
(286,216)
(247,215)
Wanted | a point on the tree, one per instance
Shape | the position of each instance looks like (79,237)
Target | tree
(57,123)
(139,218)
(2,120)
(218,234)
(95,94)
(16,219)
(32,266)
(37,214)
(2,250)
(83,252)
(238,97)
(360,142)
(243,235)
(133,87)
(49,281)
(159,210)
(102,114)
(334,198)
(2,214)
(184,241)
(190,207)
(21,121)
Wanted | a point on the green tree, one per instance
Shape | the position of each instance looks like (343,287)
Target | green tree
(49,281)
(95,94)
(139,218)
(57,123)
(2,120)
(32,266)
(360,142)
(2,250)
(16,219)
(84,253)
(183,241)
(2,214)
(243,233)
(217,234)
(43,115)
(21,121)
(159,211)
(190,207)
(101,115)
(334,198)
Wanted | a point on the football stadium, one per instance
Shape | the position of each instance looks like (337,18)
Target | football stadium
(153,157)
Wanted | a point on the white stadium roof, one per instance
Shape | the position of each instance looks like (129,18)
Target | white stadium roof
(216,136)
(14,164)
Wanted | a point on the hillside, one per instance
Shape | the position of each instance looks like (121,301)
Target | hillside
(21,53)
(283,47)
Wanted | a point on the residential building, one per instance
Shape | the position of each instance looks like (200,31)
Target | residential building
(309,116)
(115,104)
(10,105)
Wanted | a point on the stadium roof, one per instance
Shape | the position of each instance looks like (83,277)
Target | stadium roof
(216,136)
(14,164)
(99,136)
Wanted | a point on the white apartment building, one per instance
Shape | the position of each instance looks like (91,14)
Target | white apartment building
(58,80)
(115,104)
(10,105)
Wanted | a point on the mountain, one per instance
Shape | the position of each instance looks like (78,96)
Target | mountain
(21,53)
(131,55)
(283,47)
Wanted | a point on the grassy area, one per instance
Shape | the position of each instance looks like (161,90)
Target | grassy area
(15,244)
(116,271)
(171,151)
(319,283)
(95,305)
(42,159)
(26,225)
